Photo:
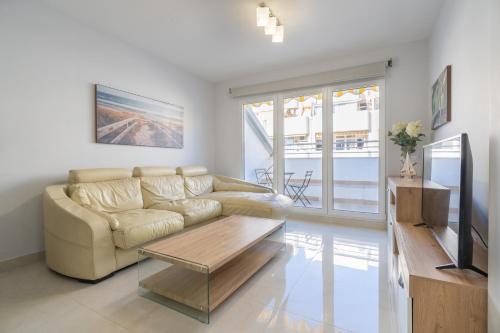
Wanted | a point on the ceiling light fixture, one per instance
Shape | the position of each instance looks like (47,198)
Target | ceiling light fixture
(271,24)
(278,34)
(270,28)
(263,13)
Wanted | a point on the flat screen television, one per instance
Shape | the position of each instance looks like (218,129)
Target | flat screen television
(447,197)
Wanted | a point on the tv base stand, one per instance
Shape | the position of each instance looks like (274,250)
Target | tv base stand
(447,266)
(472,268)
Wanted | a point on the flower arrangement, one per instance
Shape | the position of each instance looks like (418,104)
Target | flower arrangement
(407,136)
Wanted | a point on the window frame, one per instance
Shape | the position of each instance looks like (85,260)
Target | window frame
(327,144)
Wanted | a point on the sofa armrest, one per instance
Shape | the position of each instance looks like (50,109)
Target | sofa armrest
(239,185)
(78,241)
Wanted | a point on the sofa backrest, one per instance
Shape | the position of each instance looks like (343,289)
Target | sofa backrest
(105,189)
(159,184)
(197,181)
(97,175)
(108,196)
(153,171)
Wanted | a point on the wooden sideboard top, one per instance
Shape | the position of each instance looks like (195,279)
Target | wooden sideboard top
(423,253)
(396,181)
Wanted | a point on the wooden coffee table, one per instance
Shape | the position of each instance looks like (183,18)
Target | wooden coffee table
(195,271)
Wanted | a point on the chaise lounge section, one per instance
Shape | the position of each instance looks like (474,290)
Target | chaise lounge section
(95,223)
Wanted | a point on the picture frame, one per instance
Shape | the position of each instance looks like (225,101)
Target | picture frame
(124,118)
(441,99)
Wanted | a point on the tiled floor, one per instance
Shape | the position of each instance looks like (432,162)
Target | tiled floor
(330,279)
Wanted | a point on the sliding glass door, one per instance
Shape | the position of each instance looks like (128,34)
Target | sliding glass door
(303,149)
(355,161)
(321,147)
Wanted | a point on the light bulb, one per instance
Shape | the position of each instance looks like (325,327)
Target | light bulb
(262,16)
(271,25)
(279,34)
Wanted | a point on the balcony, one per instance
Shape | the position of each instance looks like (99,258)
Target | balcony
(355,179)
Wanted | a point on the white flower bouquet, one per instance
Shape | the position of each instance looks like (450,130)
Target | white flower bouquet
(407,136)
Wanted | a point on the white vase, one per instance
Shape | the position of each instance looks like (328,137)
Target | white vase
(408,171)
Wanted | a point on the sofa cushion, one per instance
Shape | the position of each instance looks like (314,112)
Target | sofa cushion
(138,226)
(97,175)
(153,171)
(198,185)
(192,170)
(109,196)
(268,205)
(159,189)
(193,210)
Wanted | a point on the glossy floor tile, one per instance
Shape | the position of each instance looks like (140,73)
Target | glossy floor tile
(329,278)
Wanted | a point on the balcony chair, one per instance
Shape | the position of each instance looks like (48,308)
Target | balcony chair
(262,176)
(299,190)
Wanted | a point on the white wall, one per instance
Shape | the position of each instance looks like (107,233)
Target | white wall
(460,39)
(48,65)
(494,230)
(406,91)
(466,37)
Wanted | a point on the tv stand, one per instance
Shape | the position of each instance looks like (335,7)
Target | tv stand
(423,298)
(472,268)
(446,266)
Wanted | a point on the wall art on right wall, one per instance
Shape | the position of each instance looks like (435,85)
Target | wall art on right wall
(441,99)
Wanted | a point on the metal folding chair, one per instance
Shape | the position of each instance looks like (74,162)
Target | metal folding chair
(299,190)
(263,176)
(260,175)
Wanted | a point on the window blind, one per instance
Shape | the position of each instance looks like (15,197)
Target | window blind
(363,72)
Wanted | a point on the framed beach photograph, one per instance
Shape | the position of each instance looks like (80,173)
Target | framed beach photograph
(124,118)
(441,99)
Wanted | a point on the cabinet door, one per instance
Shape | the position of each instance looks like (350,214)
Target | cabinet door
(404,308)
(390,233)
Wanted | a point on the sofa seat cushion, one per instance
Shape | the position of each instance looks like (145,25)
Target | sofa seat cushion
(198,185)
(161,188)
(193,210)
(138,226)
(108,196)
(268,205)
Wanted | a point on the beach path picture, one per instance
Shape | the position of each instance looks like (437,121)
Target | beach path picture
(124,118)
(441,99)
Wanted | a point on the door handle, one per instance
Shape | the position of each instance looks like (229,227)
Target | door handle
(401,282)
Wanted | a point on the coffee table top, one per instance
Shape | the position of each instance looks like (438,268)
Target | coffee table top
(209,247)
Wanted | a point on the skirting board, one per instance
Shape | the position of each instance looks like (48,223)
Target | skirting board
(347,221)
(10,264)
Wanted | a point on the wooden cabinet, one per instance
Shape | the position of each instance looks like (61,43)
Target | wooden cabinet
(423,298)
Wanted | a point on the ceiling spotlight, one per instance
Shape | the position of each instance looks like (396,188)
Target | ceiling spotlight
(263,13)
(270,28)
(279,34)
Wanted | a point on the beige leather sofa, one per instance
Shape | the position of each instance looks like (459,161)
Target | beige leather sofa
(94,224)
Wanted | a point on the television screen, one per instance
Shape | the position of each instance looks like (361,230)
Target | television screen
(447,196)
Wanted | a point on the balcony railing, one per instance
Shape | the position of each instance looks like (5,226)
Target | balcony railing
(355,179)
(369,147)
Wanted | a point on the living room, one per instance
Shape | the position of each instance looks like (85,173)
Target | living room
(249,166)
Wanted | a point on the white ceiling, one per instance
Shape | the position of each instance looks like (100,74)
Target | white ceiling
(218,39)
